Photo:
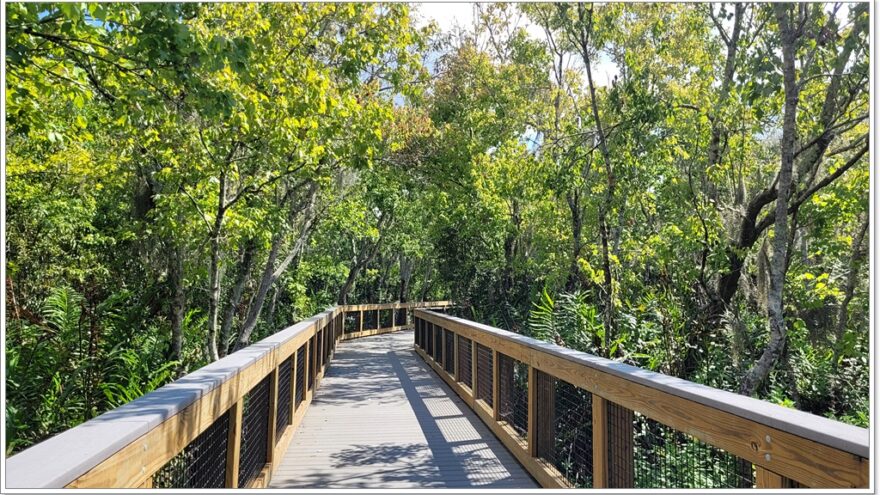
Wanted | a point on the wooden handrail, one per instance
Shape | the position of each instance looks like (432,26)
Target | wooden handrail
(125,447)
(785,445)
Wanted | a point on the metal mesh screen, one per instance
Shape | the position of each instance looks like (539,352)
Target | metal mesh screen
(438,344)
(565,429)
(327,332)
(484,374)
(417,333)
(352,321)
(282,413)
(299,393)
(464,361)
(370,320)
(385,318)
(513,394)
(254,433)
(644,453)
(202,464)
(449,343)
(429,338)
(400,318)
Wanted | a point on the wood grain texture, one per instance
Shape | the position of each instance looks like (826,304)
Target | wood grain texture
(805,460)
(600,442)
(131,462)
(233,449)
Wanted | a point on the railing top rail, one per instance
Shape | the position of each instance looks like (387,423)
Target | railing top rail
(835,434)
(61,459)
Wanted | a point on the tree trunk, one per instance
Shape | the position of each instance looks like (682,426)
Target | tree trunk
(271,272)
(178,302)
(577,225)
(215,274)
(585,17)
(363,257)
(776,344)
(750,228)
(244,273)
(852,278)
(406,268)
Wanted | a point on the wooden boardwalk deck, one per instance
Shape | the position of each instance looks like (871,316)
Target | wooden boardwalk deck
(382,419)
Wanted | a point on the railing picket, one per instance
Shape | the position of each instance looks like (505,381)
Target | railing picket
(271,427)
(233,445)
(644,430)
(600,442)
(496,414)
(531,435)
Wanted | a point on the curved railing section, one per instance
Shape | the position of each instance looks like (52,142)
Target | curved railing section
(223,425)
(577,420)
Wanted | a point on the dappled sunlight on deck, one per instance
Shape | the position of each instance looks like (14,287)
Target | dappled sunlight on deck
(382,419)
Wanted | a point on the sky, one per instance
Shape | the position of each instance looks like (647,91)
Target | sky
(448,15)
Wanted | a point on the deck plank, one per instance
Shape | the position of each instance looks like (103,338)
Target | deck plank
(382,419)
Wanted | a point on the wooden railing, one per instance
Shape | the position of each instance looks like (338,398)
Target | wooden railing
(577,420)
(224,425)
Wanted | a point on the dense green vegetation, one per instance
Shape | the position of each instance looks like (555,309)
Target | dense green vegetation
(183,179)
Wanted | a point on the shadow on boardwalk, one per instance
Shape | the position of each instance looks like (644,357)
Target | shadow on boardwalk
(382,419)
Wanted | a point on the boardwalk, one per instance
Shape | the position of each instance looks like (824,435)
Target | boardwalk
(382,419)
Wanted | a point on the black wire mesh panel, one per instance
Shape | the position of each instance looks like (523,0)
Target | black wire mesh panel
(299,393)
(513,393)
(484,374)
(202,464)
(385,318)
(352,321)
(254,433)
(400,318)
(564,429)
(449,343)
(429,338)
(464,361)
(370,320)
(282,412)
(438,344)
(417,333)
(649,454)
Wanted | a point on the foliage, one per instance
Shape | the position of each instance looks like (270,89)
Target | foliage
(183,179)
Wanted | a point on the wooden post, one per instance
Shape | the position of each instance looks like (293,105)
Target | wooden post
(764,478)
(361,321)
(600,442)
(533,412)
(293,361)
(455,356)
(314,361)
(307,371)
(496,411)
(273,415)
(233,445)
